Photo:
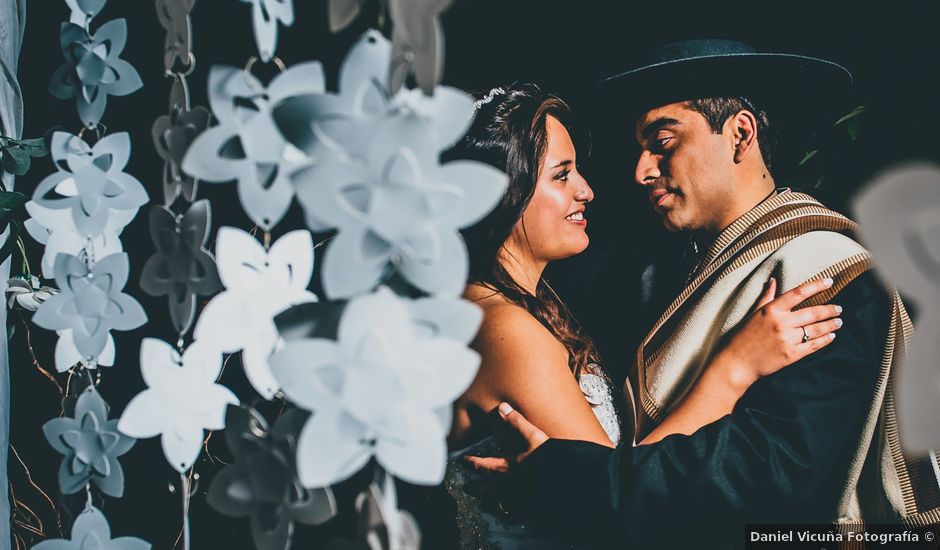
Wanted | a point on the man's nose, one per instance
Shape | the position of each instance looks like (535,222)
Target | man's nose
(647,169)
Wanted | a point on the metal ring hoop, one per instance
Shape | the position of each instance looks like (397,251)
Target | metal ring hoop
(190,67)
(277,61)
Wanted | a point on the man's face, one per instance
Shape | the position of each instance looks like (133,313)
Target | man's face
(685,167)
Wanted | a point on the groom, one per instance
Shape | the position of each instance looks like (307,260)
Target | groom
(816,442)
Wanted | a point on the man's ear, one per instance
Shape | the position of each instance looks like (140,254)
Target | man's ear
(744,134)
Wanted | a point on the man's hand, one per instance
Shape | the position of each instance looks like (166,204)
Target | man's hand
(533,436)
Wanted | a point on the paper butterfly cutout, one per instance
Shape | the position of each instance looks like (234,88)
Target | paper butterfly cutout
(181,268)
(90,181)
(93,69)
(92,532)
(181,401)
(899,214)
(258,286)
(262,483)
(373,392)
(246,145)
(90,444)
(173,134)
(90,302)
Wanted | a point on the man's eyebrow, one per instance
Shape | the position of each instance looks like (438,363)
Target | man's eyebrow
(655,125)
(562,163)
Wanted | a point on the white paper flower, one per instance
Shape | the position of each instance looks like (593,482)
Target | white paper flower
(246,145)
(341,126)
(258,286)
(401,206)
(90,182)
(266,15)
(93,69)
(373,392)
(91,302)
(56,230)
(899,213)
(67,355)
(92,532)
(181,401)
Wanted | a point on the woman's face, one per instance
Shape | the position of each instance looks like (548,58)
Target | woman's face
(553,224)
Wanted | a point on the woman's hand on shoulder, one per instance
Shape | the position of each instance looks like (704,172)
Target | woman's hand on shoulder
(775,335)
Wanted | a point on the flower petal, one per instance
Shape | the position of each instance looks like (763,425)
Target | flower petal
(330,449)
(421,457)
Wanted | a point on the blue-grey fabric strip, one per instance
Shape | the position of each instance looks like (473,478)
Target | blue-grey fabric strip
(12,24)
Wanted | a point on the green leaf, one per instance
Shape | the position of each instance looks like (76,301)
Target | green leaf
(855,113)
(853,128)
(11,200)
(819,181)
(15,160)
(808,156)
(11,204)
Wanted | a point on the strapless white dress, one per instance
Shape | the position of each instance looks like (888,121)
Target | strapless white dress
(485,529)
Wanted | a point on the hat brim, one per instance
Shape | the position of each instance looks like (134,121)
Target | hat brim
(775,80)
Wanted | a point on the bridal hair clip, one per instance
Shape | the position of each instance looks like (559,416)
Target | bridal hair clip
(489,97)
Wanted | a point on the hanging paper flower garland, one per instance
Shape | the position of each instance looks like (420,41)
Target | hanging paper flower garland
(90,181)
(246,145)
(90,302)
(174,18)
(90,445)
(381,524)
(93,69)
(56,229)
(262,483)
(266,15)
(400,207)
(182,268)
(373,392)
(377,178)
(92,532)
(182,399)
(259,284)
(172,136)
(417,38)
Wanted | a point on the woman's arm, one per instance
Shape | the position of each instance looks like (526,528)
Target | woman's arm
(522,363)
(769,340)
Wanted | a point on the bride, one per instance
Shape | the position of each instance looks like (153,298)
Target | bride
(534,354)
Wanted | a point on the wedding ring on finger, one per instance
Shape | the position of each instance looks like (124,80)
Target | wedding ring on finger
(805,336)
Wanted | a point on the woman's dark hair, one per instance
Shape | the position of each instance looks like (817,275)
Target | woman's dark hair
(509,133)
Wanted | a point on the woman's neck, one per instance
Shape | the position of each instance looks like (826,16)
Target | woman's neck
(525,270)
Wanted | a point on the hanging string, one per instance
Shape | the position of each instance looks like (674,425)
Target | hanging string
(184,482)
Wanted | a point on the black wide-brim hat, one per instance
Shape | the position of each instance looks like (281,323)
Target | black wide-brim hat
(695,69)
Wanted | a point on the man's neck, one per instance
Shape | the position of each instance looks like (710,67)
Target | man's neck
(747,201)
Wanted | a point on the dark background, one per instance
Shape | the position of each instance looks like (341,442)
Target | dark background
(891,48)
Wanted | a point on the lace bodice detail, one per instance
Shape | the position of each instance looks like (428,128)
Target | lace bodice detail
(482,528)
